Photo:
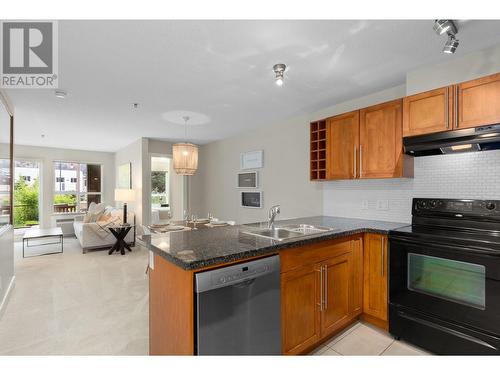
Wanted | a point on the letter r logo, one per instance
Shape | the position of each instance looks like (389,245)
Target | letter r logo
(27,48)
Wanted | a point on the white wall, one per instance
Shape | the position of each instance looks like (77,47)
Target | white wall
(473,175)
(285,180)
(139,154)
(136,153)
(285,176)
(470,66)
(47,155)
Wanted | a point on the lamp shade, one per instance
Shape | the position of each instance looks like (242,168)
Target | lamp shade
(185,157)
(124,195)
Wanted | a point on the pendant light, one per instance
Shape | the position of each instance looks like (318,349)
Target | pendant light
(185,155)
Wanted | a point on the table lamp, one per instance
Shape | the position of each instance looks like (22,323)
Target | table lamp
(125,196)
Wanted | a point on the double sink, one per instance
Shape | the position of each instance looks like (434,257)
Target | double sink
(286,232)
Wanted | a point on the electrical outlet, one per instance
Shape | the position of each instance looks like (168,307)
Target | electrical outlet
(364,204)
(151,260)
(383,205)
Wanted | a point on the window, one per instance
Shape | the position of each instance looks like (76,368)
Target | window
(76,186)
(452,280)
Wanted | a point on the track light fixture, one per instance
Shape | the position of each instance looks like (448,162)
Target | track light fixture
(445,26)
(450,28)
(451,44)
(279,70)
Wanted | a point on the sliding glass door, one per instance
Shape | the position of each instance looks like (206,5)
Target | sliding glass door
(26,193)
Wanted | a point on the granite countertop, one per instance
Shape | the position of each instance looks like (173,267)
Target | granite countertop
(195,249)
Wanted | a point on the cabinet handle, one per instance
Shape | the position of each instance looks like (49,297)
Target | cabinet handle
(447,107)
(326,287)
(354,166)
(360,160)
(456,106)
(321,288)
(382,256)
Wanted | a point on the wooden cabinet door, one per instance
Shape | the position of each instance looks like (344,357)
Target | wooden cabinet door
(300,299)
(478,102)
(357,276)
(342,146)
(428,112)
(380,141)
(375,276)
(337,281)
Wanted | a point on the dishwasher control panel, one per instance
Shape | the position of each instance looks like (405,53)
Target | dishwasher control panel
(231,275)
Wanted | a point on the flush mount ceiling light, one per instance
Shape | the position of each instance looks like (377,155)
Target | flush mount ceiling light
(185,155)
(61,94)
(451,44)
(445,26)
(279,70)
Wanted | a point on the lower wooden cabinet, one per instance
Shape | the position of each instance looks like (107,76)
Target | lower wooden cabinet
(375,279)
(335,309)
(320,291)
(300,299)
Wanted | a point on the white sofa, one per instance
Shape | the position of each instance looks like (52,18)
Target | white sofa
(96,235)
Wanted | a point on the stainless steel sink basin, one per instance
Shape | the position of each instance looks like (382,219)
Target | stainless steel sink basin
(277,234)
(305,229)
(286,232)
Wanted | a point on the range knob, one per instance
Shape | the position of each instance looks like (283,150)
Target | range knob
(433,204)
(490,206)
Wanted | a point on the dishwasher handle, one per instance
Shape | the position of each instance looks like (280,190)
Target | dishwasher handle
(237,274)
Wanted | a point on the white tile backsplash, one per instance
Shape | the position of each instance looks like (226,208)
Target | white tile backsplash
(464,176)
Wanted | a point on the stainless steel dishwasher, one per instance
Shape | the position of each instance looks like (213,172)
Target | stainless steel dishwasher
(238,309)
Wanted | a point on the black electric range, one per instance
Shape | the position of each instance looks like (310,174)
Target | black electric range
(444,280)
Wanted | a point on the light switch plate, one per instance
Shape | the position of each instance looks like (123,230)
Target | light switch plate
(364,204)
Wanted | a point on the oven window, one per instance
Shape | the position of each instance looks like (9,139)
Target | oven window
(460,282)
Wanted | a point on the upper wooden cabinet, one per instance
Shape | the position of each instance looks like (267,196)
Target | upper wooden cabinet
(380,141)
(366,144)
(343,140)
(318,145)
(428,112)
(478,102)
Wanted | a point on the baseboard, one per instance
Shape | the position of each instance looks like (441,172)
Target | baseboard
(383,324)
(5,300)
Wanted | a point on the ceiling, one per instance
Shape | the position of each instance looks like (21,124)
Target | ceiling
(222,72)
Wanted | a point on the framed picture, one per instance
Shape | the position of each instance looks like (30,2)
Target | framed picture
(251,199)
(125,176)
(248,180)
(252,159)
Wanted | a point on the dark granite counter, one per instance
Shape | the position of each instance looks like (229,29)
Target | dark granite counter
(195,249)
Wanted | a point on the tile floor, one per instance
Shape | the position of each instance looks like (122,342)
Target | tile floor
(71,304)
(364,339)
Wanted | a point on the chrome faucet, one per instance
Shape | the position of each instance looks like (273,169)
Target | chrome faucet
(273,212)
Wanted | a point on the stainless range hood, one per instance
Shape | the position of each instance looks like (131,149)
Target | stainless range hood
(464,140)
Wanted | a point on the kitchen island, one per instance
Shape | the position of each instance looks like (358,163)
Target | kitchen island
(178,256)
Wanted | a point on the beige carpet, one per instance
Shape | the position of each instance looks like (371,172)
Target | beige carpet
(71,303)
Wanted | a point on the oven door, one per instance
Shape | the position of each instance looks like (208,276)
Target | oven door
(456,284)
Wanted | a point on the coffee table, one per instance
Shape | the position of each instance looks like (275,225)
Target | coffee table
(37,234)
